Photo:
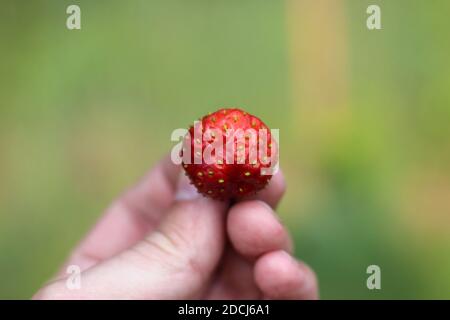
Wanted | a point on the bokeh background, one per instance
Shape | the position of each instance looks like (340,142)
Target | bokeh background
(364,120)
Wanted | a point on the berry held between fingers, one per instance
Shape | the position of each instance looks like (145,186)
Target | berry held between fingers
(229,154)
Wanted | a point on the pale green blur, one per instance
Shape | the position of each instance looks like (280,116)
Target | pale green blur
(84,113)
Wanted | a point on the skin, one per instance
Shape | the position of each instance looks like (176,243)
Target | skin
(162,240)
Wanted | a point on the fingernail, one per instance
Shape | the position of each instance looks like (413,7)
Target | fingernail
(271,210)
(266,205)
(185,190)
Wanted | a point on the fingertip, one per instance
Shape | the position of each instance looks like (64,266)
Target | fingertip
(254,229)
(280,276)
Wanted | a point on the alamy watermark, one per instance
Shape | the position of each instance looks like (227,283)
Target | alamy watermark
(73,281)
(73,21)
(373,22)
(213,146)
(374,280)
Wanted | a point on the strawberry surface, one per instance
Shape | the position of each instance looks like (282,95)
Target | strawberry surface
(229,154)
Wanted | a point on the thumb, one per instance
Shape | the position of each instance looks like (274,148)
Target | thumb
(173,262)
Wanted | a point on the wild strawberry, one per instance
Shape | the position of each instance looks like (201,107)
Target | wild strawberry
(229,154)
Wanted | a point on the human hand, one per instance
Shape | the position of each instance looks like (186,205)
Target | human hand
(163,240)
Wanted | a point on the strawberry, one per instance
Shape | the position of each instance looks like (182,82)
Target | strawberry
(229,154)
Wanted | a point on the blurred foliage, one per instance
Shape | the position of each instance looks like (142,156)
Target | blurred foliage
(84,113)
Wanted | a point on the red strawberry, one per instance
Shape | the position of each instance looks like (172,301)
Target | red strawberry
(229,154)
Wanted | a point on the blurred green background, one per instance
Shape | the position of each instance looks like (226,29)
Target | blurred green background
(364,120)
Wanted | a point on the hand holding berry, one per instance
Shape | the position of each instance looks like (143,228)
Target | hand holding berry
(163,240)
